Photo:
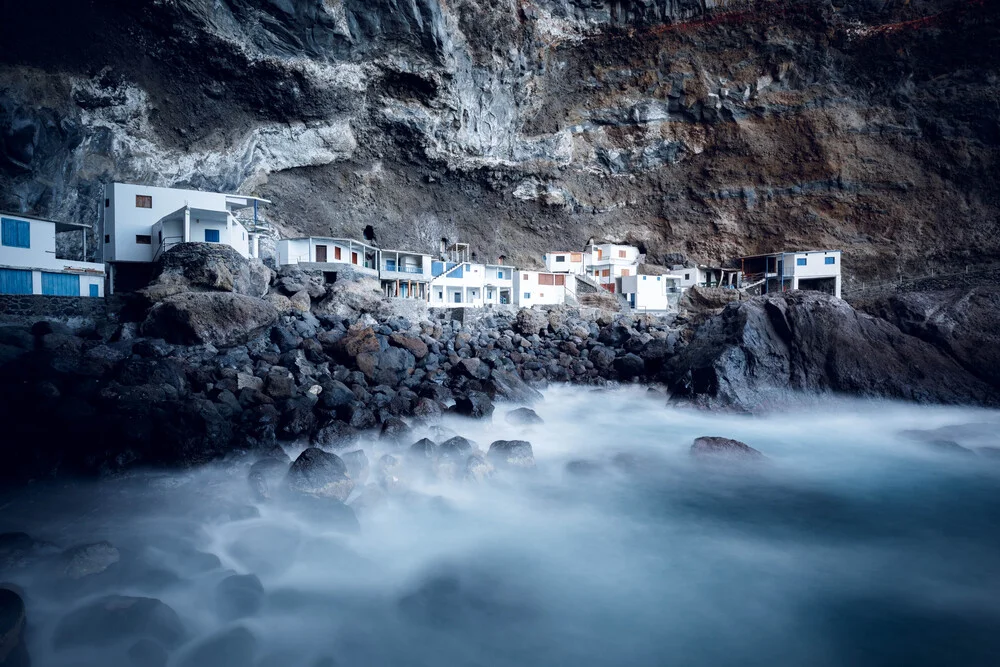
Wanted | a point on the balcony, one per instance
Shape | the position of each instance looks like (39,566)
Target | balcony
(392,271)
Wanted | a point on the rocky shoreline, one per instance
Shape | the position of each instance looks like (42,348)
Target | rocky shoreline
(225,356)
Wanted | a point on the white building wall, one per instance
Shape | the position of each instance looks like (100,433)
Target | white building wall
(687,277)
(649,292)
(815,267)
(530,292)
(40,256)
(562,262)
(123,220)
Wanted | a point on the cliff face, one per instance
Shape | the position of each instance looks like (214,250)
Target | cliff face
(695,127)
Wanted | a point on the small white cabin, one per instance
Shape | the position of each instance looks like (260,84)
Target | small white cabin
(564,262)
(470,285)
(817,270)
(607,262)
(31,263)
(652,293)
(326,254)
(540,288)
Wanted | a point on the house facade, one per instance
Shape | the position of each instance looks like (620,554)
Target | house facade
(30,262)
(139,223)
(470,285)
(327,254)
(405,275)
(607,262)
(541,288)
(652,293)
(817,270)
(565,262)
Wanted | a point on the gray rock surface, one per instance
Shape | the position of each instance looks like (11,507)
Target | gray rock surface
(116,618)
(319,473)
(210,267)
(222,319)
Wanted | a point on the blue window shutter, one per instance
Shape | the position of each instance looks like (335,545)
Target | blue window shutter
(831,260)
(94,290)
(801,261)
(60,284)
(15,233)
(500,275)
(527,295)
(15,281)
(437,268)
(211,235)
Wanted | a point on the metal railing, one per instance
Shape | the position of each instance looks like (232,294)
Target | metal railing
(404,269)
(166,244)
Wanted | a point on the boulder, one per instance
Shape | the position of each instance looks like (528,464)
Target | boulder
(214,267)
(423,450)
(475,404)
(13,651)
(530,322)
(335,434)
(116,618)
(265,477)
(455,447)
(509,385)
(229,648)
(523,417)
(319,473)
(357,465)
(388,472)
(629,366)
(239,596)
(703,301)
(709,448)
(478,469)
(216,318)
(475,369)
(88,559)
(18,550)
(411,344)
(357,340)
(427,410)
(300,301)
(511,454)
(395,430)
(773,350)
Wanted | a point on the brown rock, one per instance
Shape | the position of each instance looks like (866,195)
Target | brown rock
(414,345)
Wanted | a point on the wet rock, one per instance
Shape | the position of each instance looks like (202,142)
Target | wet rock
(523,417)
(217,318)
(413,345)
(230,648)
(710,449)
(13,650)
(395,430)
(475,404)
(475,369)
(629,366)
(357,465)
(147,653)
(335,435)
(428,410)
(239,596)
(88,559)
(511,454)
(510,386)
(265,549)
(388,472)
(19,550)
(582,468)
(320,473)
(118,618)
(335,395)
(478,469)
(456,446)
(371,498)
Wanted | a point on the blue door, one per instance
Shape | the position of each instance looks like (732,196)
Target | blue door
(211,236)
(14,281)
(60,284)
(95,290)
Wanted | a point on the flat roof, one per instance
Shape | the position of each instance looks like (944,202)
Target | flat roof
(787,252)
(330,238)
(60,226)
(167,187)
(407,252)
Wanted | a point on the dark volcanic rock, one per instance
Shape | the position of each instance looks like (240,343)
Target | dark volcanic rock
(335,434)
(88,559)
(523,416)
(217,267)
(147,653)
(723,449)
(475,404)
(511,454)
(757,353)
(357,465)
(230,648)
(115,618)
(217,318)
(320,473)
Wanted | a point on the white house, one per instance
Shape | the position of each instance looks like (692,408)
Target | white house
(565,262)
(326,254)
(140,222)
(607,262)
(707,276)
(541,288)
(31,264)
(405,274)
(458,282)
(807,270)
(652,293)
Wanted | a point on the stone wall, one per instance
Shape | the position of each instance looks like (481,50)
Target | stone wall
(78,312)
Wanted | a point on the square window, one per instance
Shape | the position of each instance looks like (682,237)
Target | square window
(143,201)
(830,260)
(621,253)
(211,236)
(644,277)
(801,261)
(144,239)
(527,295)
(560,258)
(16,233)
(687,276)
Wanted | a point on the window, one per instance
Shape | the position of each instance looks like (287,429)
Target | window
(107,238)
(390,265)
(576,257)
(801,261)
(500,275)
(440,295)
(489,294)
(524,276)
(624,272)
(458,297)
(622,254)
(211,236)
(830,260)
(354,258)
(159,236)
(606,272)
(95,290)
(687,276)
(107,203)
(143,201)
(144,239)
(644,277)
(527,295)
(561,280)
(546,279)
(336,252)
(16,233)
(560,258)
